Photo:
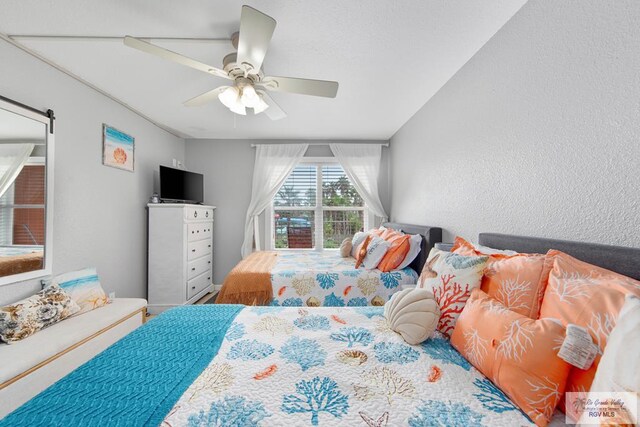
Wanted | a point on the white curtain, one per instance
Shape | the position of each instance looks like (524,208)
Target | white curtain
(361,164)
(12,159)
(273,165)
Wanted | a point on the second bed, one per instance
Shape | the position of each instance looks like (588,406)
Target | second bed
(313,278)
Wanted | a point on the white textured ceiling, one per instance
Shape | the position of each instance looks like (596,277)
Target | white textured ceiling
(389,57)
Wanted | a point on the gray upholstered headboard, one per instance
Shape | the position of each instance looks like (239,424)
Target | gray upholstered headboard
(625,261)
(430,236)
(620,259)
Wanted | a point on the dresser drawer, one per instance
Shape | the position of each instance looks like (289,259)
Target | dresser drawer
(198,284)
(198,249)
(198,266)
(199,230)
(196,213)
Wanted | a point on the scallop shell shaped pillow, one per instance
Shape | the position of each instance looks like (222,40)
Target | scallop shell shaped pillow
(413,313)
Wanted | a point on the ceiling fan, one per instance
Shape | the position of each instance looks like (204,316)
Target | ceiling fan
(244,69)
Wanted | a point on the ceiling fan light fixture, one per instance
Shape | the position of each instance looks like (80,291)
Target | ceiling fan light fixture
(239,109)
(260,106)
(229,97)
(249,97)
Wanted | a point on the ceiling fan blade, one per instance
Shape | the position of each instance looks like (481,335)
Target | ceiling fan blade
(274,112)
(324,88)
(205,98)
(256,30)
(172,56)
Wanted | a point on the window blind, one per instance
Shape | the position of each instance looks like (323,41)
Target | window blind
(299,189)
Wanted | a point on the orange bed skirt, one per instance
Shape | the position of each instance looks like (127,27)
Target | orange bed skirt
(249,282)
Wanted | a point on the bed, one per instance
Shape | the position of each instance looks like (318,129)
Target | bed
(231,365)
(312,278)
(235,365)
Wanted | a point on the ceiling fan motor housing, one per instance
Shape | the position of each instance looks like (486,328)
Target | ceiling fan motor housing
(235,70)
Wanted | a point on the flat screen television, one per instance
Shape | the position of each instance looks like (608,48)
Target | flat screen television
(181,186)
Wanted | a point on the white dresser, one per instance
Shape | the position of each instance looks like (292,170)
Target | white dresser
(180,254)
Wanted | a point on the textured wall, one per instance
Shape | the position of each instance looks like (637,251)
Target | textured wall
(227,166)
(99,216)
(539,133)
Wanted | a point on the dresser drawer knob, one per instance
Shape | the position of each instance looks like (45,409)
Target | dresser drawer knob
(193,287)
(208,278)
(193,250)
(195,214)
(209,262)
(193,269)
(207,214)
(208,246)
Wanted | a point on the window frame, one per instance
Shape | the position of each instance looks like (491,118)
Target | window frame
(318,210)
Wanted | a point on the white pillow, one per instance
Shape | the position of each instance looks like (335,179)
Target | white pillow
(451,277)
(619,367)
(415,243)
(357,240)
(376,250)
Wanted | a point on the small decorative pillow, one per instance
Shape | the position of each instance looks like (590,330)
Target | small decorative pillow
(84,287)
(356,243)
(415,246)
(518,354)
(451,277)
(26,317)
(587,296)
(517,281)
(362,250)
(413,313)
(345,248)
(376,249)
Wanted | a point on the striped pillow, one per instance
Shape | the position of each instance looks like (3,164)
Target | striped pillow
(84,288)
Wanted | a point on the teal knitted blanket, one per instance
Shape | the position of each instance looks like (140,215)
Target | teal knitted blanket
(137,380)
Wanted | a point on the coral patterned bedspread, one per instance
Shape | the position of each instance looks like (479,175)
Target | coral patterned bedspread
(313,278)
(336,367)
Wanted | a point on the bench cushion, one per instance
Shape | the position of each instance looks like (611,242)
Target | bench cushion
(17,358)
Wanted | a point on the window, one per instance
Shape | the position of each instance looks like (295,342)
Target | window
(317,207)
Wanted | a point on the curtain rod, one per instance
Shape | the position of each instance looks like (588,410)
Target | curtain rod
(384,144)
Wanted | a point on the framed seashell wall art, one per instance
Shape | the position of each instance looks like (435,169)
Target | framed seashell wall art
(118,148)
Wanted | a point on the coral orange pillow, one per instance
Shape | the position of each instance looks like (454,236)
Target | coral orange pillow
(588,296)
(517,281)
(396,253)
(517,353)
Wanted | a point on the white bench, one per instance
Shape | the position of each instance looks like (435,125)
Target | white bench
(33,364)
